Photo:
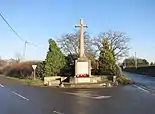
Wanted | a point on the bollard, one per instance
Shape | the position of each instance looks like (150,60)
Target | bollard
(114,79)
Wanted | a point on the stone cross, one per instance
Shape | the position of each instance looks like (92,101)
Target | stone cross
(81,26)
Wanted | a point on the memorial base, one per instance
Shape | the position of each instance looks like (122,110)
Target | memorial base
(83,80)
(82,68)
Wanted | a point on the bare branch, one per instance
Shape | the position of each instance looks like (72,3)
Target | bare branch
(118,43)
(69,43)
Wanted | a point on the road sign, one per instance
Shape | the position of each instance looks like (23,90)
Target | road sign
(34,73)
(34,67)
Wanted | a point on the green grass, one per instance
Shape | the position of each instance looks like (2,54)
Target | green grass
(27,81)
(33,82)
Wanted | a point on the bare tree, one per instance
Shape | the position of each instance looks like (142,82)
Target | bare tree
(2,62)
(69,43)
(118,43)
(18,57)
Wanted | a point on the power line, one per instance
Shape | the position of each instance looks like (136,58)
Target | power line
(11,28)
(22,39)
(17,33)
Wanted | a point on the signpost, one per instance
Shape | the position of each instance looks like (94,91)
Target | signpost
(34,71)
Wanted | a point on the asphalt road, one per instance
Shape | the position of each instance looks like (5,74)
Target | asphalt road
(142,80)
(16,98)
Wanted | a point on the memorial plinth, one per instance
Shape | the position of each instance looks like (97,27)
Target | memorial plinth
(83,67)
(82,70)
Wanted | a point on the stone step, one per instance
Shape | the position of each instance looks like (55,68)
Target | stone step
(88,85)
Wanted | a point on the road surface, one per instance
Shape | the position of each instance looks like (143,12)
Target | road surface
(16,98)
(142,80)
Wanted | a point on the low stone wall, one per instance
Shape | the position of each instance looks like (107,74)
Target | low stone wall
(91,79)
(99,78)
(145,70)
(53,80)
(89,85)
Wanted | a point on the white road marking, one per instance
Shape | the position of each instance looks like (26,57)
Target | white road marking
(20,95)
(140,88)
(1,85)
(16,94)
(88,95)
(78,94)
(102,97)
(57,112)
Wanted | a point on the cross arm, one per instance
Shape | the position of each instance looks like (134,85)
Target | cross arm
(77,25)
(81,26)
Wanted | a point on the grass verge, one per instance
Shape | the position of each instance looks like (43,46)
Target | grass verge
(36,82)
(123,80)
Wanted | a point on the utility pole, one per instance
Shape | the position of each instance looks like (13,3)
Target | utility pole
(124,65)
(97,65)
(135,60)
(24,51)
